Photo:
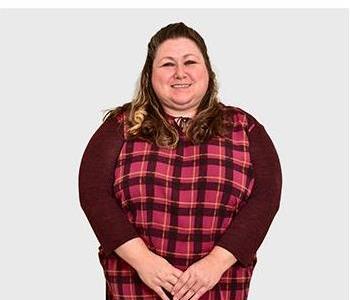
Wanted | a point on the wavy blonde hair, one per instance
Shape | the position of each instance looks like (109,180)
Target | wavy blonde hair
(146,116)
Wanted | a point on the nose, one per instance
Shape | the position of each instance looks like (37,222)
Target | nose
(179,72)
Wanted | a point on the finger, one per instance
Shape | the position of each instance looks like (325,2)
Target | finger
(161,293)
(192,291)
(188,294)
(182,280)
(186,287)
(199,293)
(173,279)
(178,273)
(167,285)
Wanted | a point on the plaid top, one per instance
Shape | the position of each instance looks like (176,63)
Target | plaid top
(182,202)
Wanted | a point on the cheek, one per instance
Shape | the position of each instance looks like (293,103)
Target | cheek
(160,83)
(203,78)
(160,78)
(155,81)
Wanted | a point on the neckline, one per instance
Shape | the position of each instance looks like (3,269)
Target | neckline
(178,122)
(176,117)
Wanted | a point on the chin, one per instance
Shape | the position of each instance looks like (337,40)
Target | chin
(182,100)
(182,103)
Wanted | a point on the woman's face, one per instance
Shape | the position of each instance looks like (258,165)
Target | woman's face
(179,76)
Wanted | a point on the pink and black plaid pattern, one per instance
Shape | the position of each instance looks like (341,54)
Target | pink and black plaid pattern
(181,201)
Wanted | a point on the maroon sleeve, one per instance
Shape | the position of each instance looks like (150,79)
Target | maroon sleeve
(96,178)
(249,227)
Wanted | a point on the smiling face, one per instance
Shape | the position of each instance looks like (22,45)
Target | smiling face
(179,76)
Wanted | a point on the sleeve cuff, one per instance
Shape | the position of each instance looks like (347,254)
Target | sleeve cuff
(108,248)
(244,258)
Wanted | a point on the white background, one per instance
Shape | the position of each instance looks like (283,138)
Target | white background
(60,68)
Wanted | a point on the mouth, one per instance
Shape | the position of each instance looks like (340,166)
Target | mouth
(181,86)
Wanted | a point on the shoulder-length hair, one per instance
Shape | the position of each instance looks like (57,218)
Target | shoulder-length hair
(145,115)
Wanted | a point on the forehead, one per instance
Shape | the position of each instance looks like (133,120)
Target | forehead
(177,48)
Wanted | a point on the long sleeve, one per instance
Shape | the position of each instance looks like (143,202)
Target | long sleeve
(249,227)
(96,177)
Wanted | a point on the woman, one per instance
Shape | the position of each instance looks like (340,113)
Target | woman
(179,188)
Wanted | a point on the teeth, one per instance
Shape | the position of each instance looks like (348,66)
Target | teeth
(180,85)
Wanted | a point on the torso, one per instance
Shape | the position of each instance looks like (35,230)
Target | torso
(181,202)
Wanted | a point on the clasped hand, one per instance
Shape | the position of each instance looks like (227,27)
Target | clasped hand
(157,273)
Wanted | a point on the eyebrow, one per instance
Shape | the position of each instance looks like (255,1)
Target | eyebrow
(172,58)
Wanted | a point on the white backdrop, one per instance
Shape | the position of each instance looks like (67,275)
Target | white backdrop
(60,68)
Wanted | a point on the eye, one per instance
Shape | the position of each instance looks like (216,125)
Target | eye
(167,64)
(190,62)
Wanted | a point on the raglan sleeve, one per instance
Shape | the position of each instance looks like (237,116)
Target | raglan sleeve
(96,196)
(250,226)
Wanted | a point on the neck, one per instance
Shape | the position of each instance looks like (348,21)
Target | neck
(180,113)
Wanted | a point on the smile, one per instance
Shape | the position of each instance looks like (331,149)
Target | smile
(180,86)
